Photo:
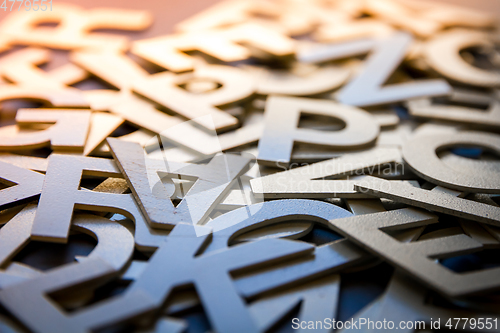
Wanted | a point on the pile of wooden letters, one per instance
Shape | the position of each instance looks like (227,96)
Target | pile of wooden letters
(268,166)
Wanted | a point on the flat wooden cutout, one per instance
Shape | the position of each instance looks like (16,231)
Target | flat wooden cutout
(35,290)
(20,67)
(282,116)
(60,98)
(231,91)
(478,233)
(404,300)
(424,108)
(319,53)
(305,182)
(167,51)
(115,243)
(426,19)
(47,227)
(441,233)
(394,12)
(75,26)
(148,293)
(172,129)
(327,259)
(16,233)
(296,18)
(112,185)
(450,15)
(113,67)
(141,136)
(352,30)
(420,154)
(143,175)
(443,54)
(232,224)
(294,230)
(318,300)
(163,88)
(385,118)
(492,230)
(236,198)
(102,125)
(69,132)
(432,200)
(27,184)
(7,214)
(228,13)
(68,74)
(371,206)
(26,162)
(387,55)
(365,206)
(199,86)
(284,82)
(417,258)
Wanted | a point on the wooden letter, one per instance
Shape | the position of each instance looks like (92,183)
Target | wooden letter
(283,114)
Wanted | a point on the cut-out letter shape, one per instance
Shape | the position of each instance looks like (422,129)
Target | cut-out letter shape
(432,200)
(172,129)
(221,43)
(64,175)
(69,132)
(318,300)
(115,243)
(388,53)
(352,30)
(24,184)
(305,182)
(26,162)
(144,176)
(162,88)
(74,29)
(150,290)
(227,13)
(20,67)
(443,54)
(50,97)
(490,118)
(16,233)
(406,300)
(113,251)
(293,82)
(418,258)
(103,124)
(327,258)
(227,227)
(426,18)
(420,153)
(282,117)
